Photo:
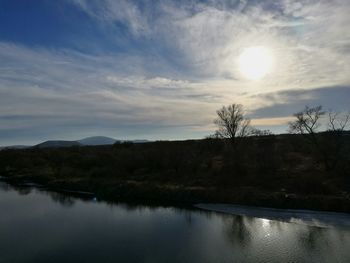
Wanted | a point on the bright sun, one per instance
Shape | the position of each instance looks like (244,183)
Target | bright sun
(255,62)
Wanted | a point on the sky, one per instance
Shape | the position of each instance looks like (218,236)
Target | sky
(159,70)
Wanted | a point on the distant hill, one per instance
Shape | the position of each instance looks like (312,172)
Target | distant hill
(15,147)
(57,144)
(97,140)
(89,141)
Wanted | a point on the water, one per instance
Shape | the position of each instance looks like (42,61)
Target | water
(39,226)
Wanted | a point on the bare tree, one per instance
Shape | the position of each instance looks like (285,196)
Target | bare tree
(337,122)
(334,138)
(329,144)
(232,123)
(307,122)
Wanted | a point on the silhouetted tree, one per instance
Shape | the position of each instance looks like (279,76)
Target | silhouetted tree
(328,145)
(232,123)
(307,122)
(333,142)
(337,122)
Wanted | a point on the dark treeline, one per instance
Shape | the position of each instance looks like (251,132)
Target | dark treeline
(269,170)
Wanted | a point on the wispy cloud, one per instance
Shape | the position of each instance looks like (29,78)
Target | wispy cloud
(286,103)
(271,121)
(181,67)
(41,89)
(121,11)
(306,36)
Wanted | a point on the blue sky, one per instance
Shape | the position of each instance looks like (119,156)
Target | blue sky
(160,69)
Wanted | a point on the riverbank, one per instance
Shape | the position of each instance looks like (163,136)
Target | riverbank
(146,193)
(298,216)
(271,171)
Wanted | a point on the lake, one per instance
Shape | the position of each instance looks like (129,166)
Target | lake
(42,226)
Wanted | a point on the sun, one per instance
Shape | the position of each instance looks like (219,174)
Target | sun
(255,62)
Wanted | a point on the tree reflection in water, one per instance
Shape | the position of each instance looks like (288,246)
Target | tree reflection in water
(238,229)
(260,238)
(132,233)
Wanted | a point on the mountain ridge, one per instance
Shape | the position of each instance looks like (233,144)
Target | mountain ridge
(87,141)
(97,140)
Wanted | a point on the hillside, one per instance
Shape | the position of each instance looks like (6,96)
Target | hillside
(57,144)
(97,140)
(89,141)
(277,171)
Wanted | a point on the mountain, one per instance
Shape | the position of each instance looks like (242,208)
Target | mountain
(57,144)
(89,141)
(97,140)
(15,147)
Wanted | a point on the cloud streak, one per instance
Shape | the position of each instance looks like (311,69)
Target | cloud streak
(180,67)
(306,36)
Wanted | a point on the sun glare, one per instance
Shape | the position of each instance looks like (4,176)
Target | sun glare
(255,62)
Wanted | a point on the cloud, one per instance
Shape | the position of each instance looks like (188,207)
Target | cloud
(271,121)
(207,36)
(58,91)
(181,67)
(286,103)
(122,11)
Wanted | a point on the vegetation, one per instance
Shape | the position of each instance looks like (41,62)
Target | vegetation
(232,123)
(328,145)
(309,169)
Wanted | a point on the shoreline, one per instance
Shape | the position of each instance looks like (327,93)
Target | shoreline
(298,216)
(146,193)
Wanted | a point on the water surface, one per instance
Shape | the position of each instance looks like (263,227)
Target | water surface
(40,226)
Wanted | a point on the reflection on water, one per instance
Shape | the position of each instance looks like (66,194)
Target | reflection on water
(42,226)
(276,241)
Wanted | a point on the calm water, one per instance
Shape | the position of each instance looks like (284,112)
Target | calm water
(38,226)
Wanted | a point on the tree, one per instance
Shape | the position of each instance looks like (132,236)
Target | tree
(232,123)
(333,143)
(337,122)
(307,122)
(329,144)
